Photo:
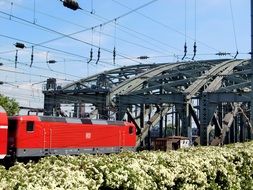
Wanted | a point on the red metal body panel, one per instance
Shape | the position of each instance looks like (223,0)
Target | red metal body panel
(3,133)
(62,135)
(25,138)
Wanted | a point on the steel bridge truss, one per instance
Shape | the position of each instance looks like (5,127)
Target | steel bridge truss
(211,96)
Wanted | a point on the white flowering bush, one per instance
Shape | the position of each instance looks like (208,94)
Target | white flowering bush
(224,168)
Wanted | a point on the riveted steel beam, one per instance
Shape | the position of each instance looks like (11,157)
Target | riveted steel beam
(150,99)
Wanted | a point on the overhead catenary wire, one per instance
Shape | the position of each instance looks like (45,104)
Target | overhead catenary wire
(25,87)
(11,10)
(124,28)
(64,52)
(92,11)
(26,98)
(134,43)
(114,48)
(7,52)
(86,28)
(134,57)
(109,35)
(121,16)
(46,47)
(233,24)
(100,17)
(99,43)
(25,73)
(121,26)
(185,26)
(168,27)
(39,68)
(35,86)
(137,35)
(69,36)
(91,50)
(34,11)
(32,85)
(54,49)
(46,14)
(195,30)
(60,97)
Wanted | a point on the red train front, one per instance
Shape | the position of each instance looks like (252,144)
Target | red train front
(3,133)
(34,136)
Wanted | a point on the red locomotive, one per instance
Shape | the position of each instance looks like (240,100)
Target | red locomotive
(3,133)
(36,136)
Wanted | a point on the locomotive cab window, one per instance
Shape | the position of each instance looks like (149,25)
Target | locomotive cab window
(30,126)
(131,130)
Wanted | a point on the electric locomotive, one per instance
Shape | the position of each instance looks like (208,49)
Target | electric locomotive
(37,136)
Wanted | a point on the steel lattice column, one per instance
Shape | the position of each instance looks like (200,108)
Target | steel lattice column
(206,114)
(183,111)
(49,104)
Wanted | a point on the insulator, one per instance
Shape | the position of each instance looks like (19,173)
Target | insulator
(32,57)
(194,50)
(91,56)
(114,55)
(51,61)
(1,82)
(236,54)
(185,51)
(98,56)
(19,45)
(143,57)
(71,4)
(222,53)
(16,59)
(99,53)
(1,64)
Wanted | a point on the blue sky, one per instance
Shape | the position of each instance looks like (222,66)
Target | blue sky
(157,31)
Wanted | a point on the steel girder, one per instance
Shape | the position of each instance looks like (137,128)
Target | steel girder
(111,78)
(185,87)
(162,77)
(163,86)
(230,87)
(93,89)
(207,107)
(211,81)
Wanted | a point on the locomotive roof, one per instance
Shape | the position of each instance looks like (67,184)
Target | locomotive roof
(68,120)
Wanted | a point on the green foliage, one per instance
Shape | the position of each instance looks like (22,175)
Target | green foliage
(202,168)
(10,105)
